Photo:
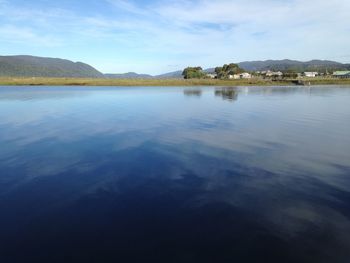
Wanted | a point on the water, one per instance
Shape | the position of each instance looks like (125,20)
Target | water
(174,174)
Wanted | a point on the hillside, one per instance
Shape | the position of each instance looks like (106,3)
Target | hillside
(285,65)
(29,66)
(129,75)
(171,75)
(278,65)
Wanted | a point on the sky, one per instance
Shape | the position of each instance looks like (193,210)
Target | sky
(154,37)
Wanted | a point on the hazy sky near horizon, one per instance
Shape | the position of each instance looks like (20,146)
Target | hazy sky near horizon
(159,36)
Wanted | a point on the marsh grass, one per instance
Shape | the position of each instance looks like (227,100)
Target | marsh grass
(8,81)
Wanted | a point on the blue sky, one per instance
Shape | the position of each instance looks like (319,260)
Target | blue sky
(160,36)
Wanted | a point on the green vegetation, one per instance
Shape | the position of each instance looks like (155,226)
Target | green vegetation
(225,71)
(193,73)
(222,72)
(162,82)
(29,66)
(290,74)
(321,66)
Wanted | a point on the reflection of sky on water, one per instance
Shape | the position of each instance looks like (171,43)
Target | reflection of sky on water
(269,169)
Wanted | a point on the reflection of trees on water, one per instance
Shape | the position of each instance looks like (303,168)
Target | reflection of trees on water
(193,92)
(229,93)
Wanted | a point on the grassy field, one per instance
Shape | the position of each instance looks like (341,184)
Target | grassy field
(160,82)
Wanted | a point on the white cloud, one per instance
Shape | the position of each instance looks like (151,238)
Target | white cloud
(264,29)
(127,6)
(261,13)
(201,32)
(14,34)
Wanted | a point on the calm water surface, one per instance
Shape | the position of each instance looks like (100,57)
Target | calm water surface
(174,174)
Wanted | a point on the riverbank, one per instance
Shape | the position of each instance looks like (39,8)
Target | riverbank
(163,82)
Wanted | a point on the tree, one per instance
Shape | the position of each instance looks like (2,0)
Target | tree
(290,74)
(228,69)
(193,73)
(219,71)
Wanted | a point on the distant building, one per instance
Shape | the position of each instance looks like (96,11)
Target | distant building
(341,74)
(273,74)
(235,76)
(310,74)
(212,75)
(245,75)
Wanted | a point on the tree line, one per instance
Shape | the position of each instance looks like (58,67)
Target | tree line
(222,72)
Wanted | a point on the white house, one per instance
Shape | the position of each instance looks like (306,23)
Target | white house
(245,75)
(268,73)
(235,76)
(274,74)
(212,75)
(310,74)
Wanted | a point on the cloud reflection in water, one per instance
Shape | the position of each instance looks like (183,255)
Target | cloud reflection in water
(119,171)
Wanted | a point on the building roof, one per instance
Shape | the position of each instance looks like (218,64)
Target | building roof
(341,73)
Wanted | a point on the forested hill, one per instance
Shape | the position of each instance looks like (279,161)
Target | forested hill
(129,75)
(293,65)
(29,66)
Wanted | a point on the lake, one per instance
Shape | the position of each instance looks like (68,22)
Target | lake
(170,174)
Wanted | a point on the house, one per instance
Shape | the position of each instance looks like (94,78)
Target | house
(310,74)
(274,74)
(341,74)
(268,73)
(235,76)
(212,75)
(245,75)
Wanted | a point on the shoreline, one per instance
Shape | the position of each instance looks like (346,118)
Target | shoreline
(8,81)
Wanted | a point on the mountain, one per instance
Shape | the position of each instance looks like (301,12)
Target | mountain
(170,75)
(29,66)
(133,75)
(284,65)
(278,65)
(209,70)
(129,75)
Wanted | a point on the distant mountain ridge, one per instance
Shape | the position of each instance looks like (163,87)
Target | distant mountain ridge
(30,66)
(293,65)
(133,75)
(170,75)
(282,65)
(129,75)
